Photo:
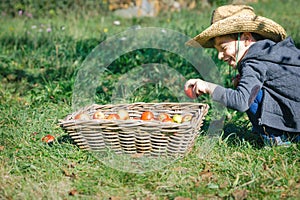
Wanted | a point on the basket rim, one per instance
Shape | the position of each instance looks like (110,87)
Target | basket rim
(204,109)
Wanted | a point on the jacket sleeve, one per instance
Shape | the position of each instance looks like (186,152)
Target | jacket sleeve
(252,77)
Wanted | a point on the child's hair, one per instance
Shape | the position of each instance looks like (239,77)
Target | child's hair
(256,36)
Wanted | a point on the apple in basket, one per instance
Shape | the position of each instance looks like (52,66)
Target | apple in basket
(162,116)
(167,120)
(123,114)
(113,116)
(82,116)
(187,118)
(147,115)
(177,118)
(98,115)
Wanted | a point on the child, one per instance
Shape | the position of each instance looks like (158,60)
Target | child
(269,67)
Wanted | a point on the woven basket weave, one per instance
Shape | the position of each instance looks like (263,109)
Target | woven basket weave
(134,136)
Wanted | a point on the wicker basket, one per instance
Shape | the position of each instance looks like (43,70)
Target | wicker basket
(134,136)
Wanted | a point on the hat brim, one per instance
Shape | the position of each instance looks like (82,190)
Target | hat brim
(238,24)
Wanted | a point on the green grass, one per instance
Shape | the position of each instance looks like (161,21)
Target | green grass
(37,72)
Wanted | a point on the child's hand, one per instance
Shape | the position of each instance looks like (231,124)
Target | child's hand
(200,87)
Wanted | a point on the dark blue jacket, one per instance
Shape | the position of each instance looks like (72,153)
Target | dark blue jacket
(274,68)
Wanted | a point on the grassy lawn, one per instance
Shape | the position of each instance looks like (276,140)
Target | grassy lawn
(40,57)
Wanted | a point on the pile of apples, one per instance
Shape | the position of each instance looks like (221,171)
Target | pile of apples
(124,115)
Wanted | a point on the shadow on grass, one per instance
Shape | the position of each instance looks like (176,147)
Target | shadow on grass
(66,139)
(235,134)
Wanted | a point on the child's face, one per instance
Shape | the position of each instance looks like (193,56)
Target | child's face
(228,50)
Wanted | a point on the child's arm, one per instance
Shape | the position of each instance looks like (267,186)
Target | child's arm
(200,86)
(253,75)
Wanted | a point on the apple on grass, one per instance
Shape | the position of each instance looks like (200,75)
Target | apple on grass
(48,138)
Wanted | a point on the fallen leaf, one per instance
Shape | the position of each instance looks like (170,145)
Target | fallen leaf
(180,169)
(137,155)
(265,166)
(283,195)
(71,165)
(65,172)
(105,89)
(207,197)
(114,198)
(34,133)
(237,155)
(181,198)
(68,174)
(2,148)
(73,192)
(297,184)
(240,194)
(206,174)
(223,185)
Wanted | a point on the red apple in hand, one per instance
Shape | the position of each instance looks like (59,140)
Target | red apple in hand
(190,92)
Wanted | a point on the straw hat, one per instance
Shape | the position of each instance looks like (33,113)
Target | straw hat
(234,19)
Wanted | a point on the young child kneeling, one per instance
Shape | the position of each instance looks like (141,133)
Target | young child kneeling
(269,67)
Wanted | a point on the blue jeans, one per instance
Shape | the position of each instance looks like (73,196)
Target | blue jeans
(269,135)
(254,113)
